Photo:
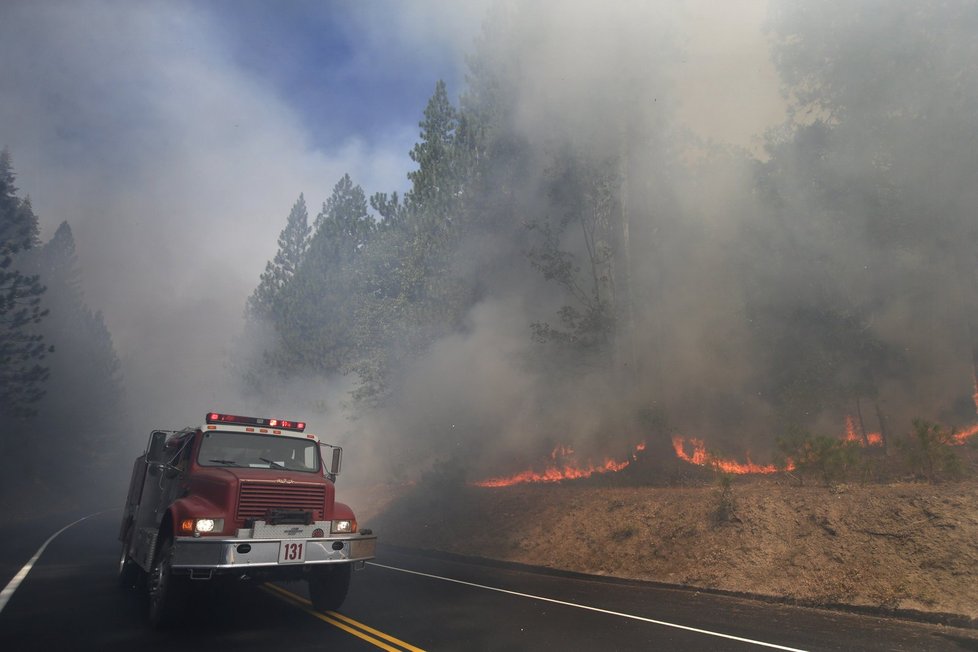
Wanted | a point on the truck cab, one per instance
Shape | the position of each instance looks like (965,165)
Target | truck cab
(238,498)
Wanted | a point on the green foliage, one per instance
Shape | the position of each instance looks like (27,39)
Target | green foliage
(409,281)
(22,348)
(317,318)
(826,458)
(85,390)
(69,408)
(293,241)
(929,452)
(819,357)
(579,251)
(826,246)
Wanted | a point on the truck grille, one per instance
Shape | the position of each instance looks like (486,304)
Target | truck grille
(255,499)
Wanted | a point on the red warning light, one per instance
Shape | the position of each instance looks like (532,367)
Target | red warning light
(216,417)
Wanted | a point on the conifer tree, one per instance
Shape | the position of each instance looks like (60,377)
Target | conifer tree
(279,272)
(435,184)
(85,391)
(320,305)
(22,350)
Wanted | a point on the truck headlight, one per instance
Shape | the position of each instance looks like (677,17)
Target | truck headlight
(343,526)
(198,526)
(204,525)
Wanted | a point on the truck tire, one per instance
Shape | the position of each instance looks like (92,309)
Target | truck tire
(328,586)
(128,570)
(166,591)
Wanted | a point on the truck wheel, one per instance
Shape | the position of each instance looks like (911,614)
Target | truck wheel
(128,570)
(328,587)
(166,599)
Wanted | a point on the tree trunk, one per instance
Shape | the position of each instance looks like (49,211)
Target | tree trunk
(626,334)
(884,434)
(862,425)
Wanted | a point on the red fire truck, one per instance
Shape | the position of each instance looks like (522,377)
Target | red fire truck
(238,498)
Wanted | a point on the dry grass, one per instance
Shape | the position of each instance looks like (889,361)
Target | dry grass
(907,546)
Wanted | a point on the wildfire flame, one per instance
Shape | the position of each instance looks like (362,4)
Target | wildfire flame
(964,435)
(975,395)
(967,433)
(562,467)
(874,438)
(701,457)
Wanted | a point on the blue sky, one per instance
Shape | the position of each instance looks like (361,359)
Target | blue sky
(175,136)
(345,67)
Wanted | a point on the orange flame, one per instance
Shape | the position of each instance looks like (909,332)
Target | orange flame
(969,432)
(964,435)
(561,469)
(851,429)
(975,395)
(874,438)
(701,457)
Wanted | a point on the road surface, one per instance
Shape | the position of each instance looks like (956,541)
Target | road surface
(409,601)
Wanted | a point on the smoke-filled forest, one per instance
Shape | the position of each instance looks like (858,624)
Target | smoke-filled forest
(572,268)
(569,267)
(61,392)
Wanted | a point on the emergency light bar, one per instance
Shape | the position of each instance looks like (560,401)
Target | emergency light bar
(214,417)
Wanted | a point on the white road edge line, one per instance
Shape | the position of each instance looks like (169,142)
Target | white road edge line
(588,608)
(8,591)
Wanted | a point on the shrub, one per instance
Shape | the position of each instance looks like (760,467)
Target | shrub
(826,458)
(929,453)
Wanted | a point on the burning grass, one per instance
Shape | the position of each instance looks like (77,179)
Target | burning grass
(855,452)
(562,466)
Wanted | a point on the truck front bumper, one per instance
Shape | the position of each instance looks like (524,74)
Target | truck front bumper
(241,553)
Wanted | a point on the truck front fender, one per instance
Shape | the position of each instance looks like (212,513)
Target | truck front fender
(195,507)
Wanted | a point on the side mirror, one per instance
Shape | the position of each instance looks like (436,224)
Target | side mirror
(333,460)
(336,461)
(154,450)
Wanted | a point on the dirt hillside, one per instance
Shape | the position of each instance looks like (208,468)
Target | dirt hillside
(900,546)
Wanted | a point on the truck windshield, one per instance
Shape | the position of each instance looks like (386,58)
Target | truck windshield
(257,451)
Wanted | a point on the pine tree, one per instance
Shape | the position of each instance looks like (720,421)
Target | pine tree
(85,391)
(279,272)
(411,291)
(319,307)
(579,251)
(435,185)
(22,350)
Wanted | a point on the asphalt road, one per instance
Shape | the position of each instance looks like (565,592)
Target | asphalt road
(410,601)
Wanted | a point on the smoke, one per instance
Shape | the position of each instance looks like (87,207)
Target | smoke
(175,166)
(175,155)
(778,276)
(596,82)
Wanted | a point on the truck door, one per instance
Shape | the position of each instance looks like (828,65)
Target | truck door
(148,514)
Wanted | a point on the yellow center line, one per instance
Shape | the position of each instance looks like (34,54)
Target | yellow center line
(343,622)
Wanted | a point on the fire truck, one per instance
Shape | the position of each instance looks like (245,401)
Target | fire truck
(238,498)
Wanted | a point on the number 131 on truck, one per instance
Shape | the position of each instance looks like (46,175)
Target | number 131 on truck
(238,498)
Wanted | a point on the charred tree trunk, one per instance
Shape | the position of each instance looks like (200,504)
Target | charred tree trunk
(626,334)
(974,366)
(884,431)
(862,425)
